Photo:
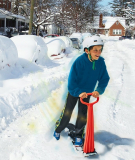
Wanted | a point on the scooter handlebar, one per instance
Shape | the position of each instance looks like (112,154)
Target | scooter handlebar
(89,103)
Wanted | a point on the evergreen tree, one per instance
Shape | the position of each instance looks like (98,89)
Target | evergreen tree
(123,8)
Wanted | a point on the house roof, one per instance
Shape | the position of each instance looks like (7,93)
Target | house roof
(7,14)
(108,21)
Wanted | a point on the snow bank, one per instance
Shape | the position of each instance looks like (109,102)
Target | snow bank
(8,52)
(31,48)
(27,92)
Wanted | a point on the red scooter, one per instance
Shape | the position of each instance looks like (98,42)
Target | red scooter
(88,147)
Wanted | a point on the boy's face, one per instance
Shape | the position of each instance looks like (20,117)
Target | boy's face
(96,52)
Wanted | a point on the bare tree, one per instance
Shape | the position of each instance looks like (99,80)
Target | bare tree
(66,14)
(76,14)
(43,11)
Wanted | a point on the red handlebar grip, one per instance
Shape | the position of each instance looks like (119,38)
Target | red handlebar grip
(89,103)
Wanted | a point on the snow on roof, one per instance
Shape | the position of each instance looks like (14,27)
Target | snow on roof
(108,21)
(5,13)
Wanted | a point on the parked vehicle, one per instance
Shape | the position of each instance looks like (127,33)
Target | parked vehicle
(76,43)
(31,48)
(58,49)
(51,35)
(77,35)
(2,30)
(125,37)
(23,33)
(10,32)
(85,35)
(8,52)
(15,33)
(67,40)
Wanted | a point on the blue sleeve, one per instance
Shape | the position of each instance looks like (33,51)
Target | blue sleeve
(74,76)
(103,79)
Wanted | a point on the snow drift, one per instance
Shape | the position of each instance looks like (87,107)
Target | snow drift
(8,52)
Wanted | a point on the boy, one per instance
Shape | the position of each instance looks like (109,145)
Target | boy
(86,71)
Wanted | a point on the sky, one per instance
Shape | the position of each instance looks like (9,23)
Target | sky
(105,5)
(105,2)
(32,96)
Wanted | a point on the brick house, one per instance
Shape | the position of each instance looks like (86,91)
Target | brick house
(110,26)
(6,4)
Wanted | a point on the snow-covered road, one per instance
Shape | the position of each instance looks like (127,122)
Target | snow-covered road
(28,114)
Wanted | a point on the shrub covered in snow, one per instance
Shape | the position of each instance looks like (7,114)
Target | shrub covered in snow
(30,47)
(8,52)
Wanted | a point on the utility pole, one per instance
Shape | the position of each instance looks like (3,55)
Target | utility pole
(31,17)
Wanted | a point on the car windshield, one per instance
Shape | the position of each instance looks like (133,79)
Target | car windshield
(74,39)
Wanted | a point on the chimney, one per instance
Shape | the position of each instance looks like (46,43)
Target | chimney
(101,21)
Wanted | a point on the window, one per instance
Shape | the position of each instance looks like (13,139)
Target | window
(117,31)
(117,23)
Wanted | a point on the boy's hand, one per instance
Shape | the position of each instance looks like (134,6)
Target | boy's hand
(83,95)
(95,94)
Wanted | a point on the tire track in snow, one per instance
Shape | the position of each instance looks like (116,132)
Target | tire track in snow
(116,108)
(117,79)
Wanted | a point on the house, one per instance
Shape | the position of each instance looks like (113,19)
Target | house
(8,19)
(6,4)
(110,26)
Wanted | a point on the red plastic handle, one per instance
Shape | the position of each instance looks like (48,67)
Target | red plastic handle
(89,103)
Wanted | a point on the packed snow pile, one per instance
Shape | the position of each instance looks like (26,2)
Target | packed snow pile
(31,47)
(8,52)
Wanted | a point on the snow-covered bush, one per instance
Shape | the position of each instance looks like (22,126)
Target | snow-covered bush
(30,47)
(56,47)
(8,52)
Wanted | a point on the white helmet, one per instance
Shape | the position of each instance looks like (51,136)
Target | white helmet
(92,41)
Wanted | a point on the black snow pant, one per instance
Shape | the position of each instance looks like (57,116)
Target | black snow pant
(67,112)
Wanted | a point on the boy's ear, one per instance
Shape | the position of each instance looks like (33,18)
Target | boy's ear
(86,50)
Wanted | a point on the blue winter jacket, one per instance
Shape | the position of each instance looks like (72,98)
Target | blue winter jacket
(82,78)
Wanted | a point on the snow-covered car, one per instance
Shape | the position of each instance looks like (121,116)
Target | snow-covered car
(67,40)
(31,48)
(125,37)
(51,35)
(85,35)
(77,35)
(76,43)
(23,33)
(56,47)
(8,52)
